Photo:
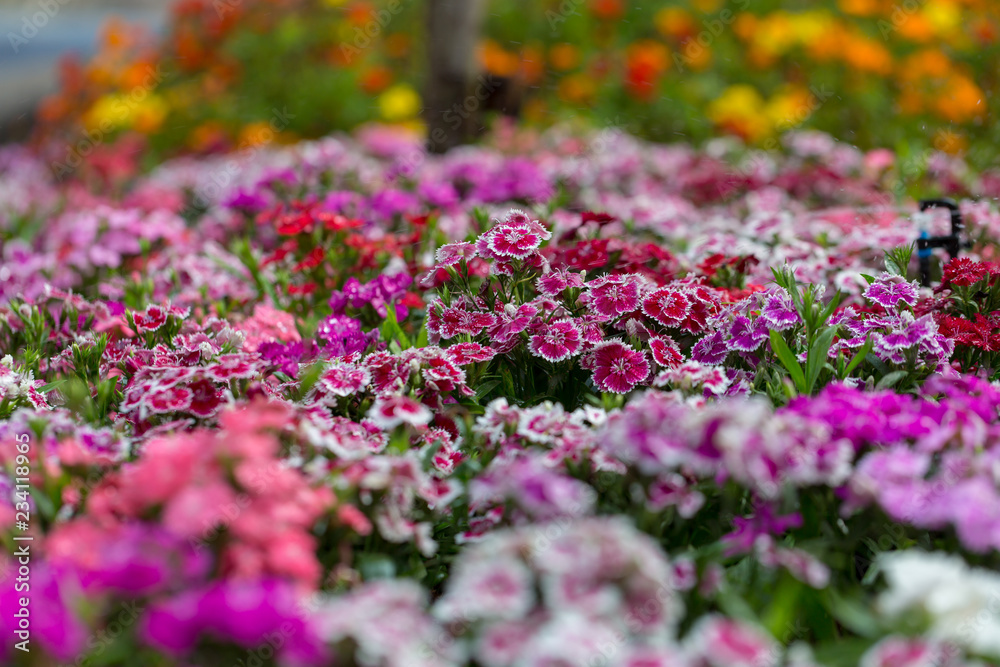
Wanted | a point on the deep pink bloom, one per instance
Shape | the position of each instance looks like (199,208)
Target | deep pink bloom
(615,296)
(668,307)
(557,341)
(618,368)
(455,321)
(665,351)
(517,241)
(151,320)
(470,353)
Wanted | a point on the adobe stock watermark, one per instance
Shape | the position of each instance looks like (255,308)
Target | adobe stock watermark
(122,108)
(365,35)
(32,23)
(101,640)
(556,17)
(901,13)
(693,48)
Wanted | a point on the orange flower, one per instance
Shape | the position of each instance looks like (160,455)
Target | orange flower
(867,55)
(960,100)
(645,63)
(496,60)
(375,79)
(397,45)
(576,89)
(564,56)
(532,65)
(608,10)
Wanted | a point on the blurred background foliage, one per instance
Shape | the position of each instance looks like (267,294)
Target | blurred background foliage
(902,74)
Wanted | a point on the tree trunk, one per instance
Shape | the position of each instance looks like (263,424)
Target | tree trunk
(452,33)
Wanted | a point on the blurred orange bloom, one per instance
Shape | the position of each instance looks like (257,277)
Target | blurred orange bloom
(564,56)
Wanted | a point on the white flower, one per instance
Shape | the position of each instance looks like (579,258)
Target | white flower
(963,603)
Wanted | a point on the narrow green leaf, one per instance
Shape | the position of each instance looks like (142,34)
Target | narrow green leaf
(858,358)
(818,357)
(788,360)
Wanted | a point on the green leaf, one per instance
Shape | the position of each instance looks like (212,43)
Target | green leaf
(869,279)
(391,331)
(783,611)
(858,358)
(890,380)
(818,357)
(788,360)
(852,614)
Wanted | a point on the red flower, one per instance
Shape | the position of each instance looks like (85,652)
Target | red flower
(308,288)
(962,272)
(587,255)
(312,260)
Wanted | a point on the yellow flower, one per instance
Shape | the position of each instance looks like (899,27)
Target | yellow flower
(944,16)
(334,3)
(149,114)
(790,108)
(398,103)
(740,110)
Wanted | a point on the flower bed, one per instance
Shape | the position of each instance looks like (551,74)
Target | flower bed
(552,399)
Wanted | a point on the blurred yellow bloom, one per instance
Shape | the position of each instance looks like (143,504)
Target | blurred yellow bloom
(112,112)
(334,3)
(943,15)
(149,115)
(255,134)
(398,103)
(740,110)
(790,108)
(674,22)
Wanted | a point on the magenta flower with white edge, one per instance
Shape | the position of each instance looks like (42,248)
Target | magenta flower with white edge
(617,367)
(464,354)
(691,374)
(344,379)
(451,254)
(517,241)
(614,296)
(559,340)
(456,321)
(665,351)
(888,290)
(389,412)
(667,306)
(554,282)
(724,642)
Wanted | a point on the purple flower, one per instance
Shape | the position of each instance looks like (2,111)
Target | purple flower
(746,335)
(245,613)
(889,290)
(779,311)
